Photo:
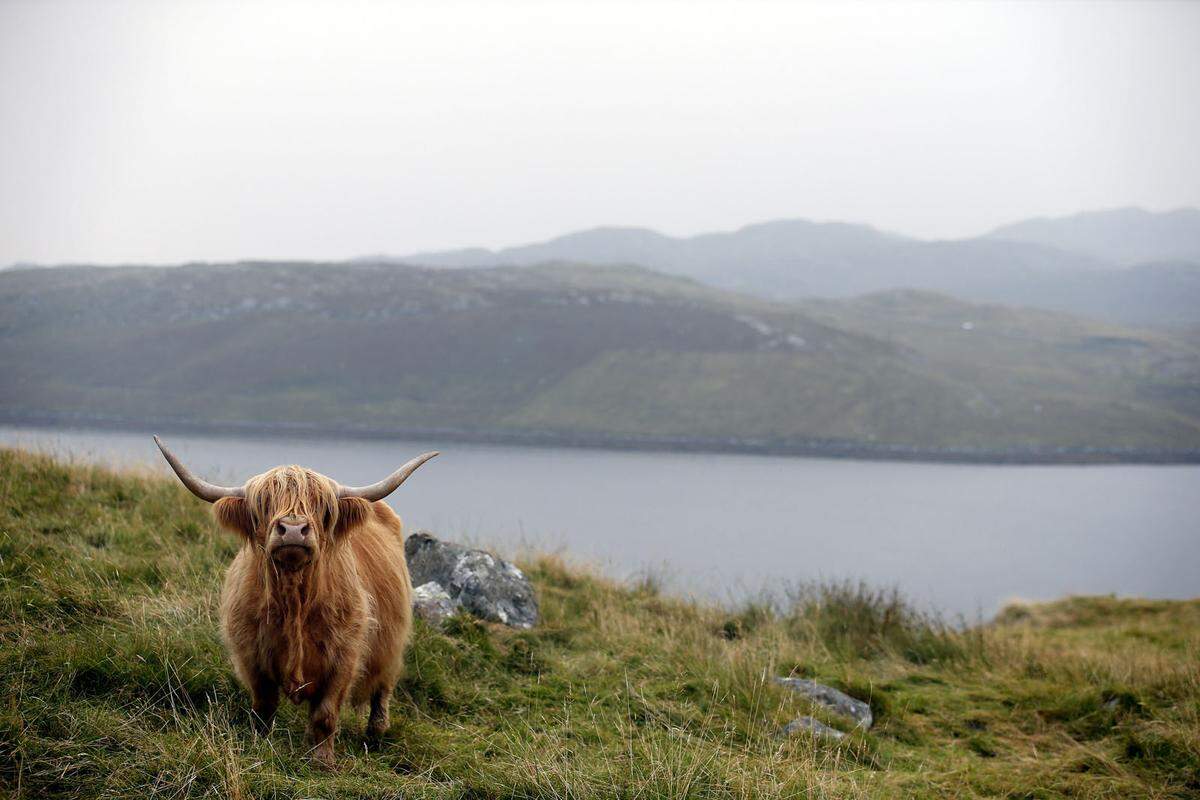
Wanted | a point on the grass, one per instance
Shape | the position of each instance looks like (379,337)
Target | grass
(113,682)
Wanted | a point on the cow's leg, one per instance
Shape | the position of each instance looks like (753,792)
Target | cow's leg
(322,729)
(377,723)
(324,709)
(264,701)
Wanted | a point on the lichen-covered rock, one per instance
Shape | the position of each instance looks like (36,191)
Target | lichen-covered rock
(432,603)
(832,699)
(813,726)
(486,586)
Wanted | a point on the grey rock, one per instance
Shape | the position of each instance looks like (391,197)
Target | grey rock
(432,603)
(832,699)
(486,586)
(813,726)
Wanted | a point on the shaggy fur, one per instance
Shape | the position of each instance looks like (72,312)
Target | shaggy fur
(331,631)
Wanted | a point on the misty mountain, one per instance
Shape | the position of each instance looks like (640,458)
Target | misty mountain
(813,258)
(1155,294)
(573,353)
(792,259)
(1124,235)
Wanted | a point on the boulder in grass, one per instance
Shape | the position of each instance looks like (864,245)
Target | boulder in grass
(432,603)
(832,699)
(813,726)
(477,581)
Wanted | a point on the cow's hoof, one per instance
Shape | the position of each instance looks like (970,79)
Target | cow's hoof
(375,733)
(323,759)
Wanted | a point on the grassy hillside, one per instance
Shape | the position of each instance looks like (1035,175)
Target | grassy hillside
(114,682)
(566,351)
(1035,371)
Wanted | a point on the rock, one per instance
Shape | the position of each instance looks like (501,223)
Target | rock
(832,699)
(813,726)
(486,586)
(432,603)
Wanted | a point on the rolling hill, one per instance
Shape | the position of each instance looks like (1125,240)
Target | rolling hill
(565,353)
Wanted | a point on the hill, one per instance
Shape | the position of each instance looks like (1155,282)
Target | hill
(802,257)
(562,353)
(1015,355)
(1124,235)
(1027,264)
(116,683)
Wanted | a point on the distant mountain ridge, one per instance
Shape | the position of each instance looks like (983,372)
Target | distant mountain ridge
(1123,235)
(1077,264)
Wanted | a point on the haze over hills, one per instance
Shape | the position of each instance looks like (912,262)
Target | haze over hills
(1122,235)
(569,353)
(1077,264)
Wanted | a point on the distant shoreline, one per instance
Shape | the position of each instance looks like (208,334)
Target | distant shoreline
(812,448)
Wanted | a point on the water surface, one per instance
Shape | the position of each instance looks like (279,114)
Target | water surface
(961,538)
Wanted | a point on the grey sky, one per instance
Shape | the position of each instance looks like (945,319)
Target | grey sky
(163,132)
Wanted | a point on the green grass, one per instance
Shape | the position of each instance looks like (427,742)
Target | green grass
(113,682)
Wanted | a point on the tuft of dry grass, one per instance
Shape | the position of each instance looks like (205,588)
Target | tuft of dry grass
(113,682)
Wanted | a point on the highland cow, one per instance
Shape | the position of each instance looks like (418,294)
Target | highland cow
(317,603)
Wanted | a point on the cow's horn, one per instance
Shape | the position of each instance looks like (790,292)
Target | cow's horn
(197,486)
(378,491)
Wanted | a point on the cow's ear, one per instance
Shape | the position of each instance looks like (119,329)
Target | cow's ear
(232,514)
(352,512)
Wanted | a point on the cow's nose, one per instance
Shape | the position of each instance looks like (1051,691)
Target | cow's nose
(293,533)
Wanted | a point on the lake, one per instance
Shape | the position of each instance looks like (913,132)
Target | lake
(958,538)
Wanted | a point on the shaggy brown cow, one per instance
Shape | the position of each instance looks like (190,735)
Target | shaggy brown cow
(318,600)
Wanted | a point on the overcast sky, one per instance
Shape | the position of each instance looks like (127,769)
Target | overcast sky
(163,132)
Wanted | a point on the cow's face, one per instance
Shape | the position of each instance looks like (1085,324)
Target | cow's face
(292,514)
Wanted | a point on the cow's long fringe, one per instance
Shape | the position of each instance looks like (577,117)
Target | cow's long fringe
(297,489)
(305,493)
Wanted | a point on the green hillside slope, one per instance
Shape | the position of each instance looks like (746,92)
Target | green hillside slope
(568,353)
(1039,372)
